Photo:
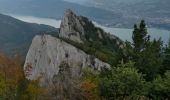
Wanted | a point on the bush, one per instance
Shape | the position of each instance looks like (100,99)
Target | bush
(124,82)
(161,87)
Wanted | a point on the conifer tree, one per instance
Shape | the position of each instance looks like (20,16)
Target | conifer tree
(166,61)
(140,37)
(146,54)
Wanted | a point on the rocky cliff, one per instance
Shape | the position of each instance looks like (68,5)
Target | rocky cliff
(71,27)
(80,29)
(47,53)
(80,44)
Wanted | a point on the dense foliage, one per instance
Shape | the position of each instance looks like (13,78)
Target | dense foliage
(142,74)
(124,82)
(146,78)
(140,70)
(13,85)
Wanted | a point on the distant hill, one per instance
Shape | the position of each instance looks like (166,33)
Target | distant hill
(55,9)
(155,12)
(115,13)
(16,35)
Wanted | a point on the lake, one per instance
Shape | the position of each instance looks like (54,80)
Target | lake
(38,20)
(122,33)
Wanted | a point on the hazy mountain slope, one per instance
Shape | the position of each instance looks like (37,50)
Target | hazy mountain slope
(155,12)
(54,9)
(134,5)
(116,13)
(16,34)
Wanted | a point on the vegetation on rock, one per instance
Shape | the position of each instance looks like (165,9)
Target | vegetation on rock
(140,71)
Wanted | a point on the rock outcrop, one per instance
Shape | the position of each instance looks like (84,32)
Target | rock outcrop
(47,53)
(71,27)
(80,29)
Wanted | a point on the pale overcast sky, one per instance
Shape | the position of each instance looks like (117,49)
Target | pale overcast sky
(76,1)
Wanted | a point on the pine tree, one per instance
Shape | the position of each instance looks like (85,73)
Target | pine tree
(166,61)
(136,38)
(140,37)
(146,54)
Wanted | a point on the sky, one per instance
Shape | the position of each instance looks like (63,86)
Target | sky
(77,1)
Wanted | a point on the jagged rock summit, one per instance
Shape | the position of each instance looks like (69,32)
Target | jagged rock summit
(80,29)
(47,53)
(72,26)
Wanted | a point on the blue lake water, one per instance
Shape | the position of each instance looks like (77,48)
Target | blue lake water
(126,34)
(122,33)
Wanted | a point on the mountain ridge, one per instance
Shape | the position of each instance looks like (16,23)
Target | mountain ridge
(15,34)
(155,12)
(42,8)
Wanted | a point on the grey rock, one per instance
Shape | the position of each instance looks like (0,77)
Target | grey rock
(71,27)
(46,53)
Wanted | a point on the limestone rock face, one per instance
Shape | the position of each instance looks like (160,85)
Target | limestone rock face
(72,26)
(46,53)
(78,28)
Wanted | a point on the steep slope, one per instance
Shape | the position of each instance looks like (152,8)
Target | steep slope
(72,27)
(71,45)
(47,53)
(16,34)
(82,33)
(81,29)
